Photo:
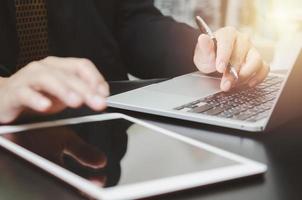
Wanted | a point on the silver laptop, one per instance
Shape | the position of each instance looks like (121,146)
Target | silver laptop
(197,97)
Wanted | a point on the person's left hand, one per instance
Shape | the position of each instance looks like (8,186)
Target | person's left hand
(235,48)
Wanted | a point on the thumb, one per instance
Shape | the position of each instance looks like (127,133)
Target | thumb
(205,55)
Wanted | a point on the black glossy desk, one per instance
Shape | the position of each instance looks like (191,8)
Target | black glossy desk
(281,150)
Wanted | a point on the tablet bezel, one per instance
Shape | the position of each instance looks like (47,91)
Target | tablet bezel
(246,167)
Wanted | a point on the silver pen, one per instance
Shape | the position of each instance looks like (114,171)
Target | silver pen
(204,28)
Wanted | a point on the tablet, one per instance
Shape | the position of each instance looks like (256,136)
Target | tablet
(114,156)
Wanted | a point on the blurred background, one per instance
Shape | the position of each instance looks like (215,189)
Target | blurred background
(275,26)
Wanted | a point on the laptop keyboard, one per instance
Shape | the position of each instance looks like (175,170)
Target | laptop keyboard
(245,104)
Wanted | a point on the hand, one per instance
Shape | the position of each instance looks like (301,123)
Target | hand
(235,48)
(50,85)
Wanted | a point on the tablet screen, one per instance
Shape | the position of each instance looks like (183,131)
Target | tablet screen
(117,152)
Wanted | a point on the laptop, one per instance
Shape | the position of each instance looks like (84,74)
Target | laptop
(197,97)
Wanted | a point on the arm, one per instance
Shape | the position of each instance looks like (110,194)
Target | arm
(157,46)
(154,45)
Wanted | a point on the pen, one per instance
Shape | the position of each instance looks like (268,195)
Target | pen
(204,28)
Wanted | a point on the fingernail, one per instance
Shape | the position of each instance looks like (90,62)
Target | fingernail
(226,86)
(103,90)
(43,104)
(97,102)
(73,99)
(221,66)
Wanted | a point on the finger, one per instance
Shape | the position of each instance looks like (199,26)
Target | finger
(260,75)
(227,82)
(204,57)
(79,87)
(87,155)
(89,73)
(51,84)
(252,65)
(240,50)
(83,68)
(29,98)
(226,38)
(25,97)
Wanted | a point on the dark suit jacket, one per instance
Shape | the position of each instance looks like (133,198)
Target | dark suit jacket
(119,36)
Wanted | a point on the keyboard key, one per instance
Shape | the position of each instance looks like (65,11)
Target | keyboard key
(202,109)
(192,106)
(226,114)
(179,108)
(258,117)
(242,116)
(215,111)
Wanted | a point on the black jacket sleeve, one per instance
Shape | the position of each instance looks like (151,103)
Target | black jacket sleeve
(154,45)
(4,72)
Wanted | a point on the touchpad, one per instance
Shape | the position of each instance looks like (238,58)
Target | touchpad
(191,85)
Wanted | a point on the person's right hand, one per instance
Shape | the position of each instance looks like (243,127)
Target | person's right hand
(50,85)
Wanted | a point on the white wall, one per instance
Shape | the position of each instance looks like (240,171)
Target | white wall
(185,10)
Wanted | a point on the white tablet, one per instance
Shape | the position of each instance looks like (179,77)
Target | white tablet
(114,156)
